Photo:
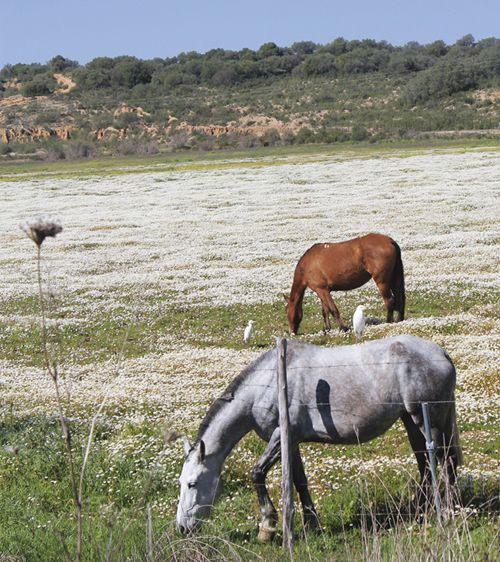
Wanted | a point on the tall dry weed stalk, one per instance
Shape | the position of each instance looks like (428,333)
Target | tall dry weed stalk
(38,230)
(397,530)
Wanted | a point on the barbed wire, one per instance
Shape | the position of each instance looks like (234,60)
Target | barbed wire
(332,408)
(358,364)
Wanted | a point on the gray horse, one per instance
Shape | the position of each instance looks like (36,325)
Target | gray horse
(344,395)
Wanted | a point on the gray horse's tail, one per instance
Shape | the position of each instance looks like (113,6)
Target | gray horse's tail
(453,436)
(398,283)
(455,447)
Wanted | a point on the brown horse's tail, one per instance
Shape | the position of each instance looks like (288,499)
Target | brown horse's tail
(398,284)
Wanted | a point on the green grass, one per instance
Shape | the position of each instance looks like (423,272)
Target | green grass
(251,158)
(364,519)
(37,510)
(102,335)
(37,515)
(126,472)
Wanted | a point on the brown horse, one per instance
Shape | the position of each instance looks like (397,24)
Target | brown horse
(342,266)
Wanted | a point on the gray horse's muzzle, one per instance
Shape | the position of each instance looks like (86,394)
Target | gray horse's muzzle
(188,525)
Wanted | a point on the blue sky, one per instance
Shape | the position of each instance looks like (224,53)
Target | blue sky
(37,30)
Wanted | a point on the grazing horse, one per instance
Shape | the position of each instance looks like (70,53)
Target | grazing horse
(342,266)
(341,395)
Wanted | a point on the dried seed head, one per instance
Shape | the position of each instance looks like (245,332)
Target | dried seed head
(41,227)
(171,435)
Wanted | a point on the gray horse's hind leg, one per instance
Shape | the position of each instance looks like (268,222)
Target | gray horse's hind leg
(417,442)
(311,520)
(267,527)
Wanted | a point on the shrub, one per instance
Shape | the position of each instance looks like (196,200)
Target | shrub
(78,150)
(441,80)
(54,152)
(60,64)
(41,85)
(320,63)
(304,136)
(129,73)
(303,48)
(126,120)
(131,147)
(269,50)
(179,140)
(270,138)
(102,120)
(47,117)
(359,133)
(332,135)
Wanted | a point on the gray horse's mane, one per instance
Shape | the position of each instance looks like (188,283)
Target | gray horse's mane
(229,393)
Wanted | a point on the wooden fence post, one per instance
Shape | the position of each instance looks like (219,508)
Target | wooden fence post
(286,450)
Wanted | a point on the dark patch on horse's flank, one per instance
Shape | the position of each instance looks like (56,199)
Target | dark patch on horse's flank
(405,355)
(324,407)
(399,350)
(228,394)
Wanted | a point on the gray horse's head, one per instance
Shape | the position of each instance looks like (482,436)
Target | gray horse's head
(201,485)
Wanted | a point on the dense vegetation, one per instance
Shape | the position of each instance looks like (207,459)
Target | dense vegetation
(344,90)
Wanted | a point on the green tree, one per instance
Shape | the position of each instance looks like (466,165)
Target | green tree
(269,50)
(61,64)
(130,73)
(319,63)
(436,49)
(302,48)
(337,47)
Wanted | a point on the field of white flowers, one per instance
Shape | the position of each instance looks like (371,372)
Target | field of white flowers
(141,243)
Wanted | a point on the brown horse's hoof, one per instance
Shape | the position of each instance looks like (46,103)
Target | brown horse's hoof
(266,534)
(343,328)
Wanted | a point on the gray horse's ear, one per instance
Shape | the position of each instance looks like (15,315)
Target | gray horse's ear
(187,445)
(201,452)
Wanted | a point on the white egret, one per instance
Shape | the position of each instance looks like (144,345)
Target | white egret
(248,332)
(358,322)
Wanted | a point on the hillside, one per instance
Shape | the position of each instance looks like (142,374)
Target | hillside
(342,91)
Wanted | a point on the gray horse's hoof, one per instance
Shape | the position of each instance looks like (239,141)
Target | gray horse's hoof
(266,534)
(312,524)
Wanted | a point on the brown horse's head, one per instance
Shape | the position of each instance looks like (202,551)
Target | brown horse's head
(294,314)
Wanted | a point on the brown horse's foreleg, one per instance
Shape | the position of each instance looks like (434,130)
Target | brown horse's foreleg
(300,482)
(327,302)
(385,291)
